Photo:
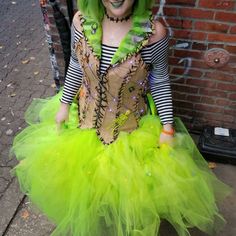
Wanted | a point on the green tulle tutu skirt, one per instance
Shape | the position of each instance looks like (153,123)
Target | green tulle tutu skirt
(123,189)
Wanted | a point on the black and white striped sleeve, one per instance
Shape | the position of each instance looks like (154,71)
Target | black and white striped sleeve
(74,73)
(159,80)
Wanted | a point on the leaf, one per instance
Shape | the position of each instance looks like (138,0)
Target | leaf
(212,165)
(53,85)
(36,73)
(13,95)
(25,214)
(25,61)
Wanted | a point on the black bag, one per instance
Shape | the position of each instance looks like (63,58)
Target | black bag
(218,148)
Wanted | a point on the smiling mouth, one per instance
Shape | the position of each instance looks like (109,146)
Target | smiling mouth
(117,4)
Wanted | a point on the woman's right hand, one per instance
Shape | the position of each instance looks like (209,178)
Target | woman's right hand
(62,115)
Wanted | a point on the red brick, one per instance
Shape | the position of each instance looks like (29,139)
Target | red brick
(178,96)
(230,112)
(194,98)
(232,96)
(217,4)
(199,64)
(182,24)
(184,111)
(222,102)
(170,11)
(184,88)
(225,16)
(231,49)
(173,61)
(199,46)
(219,76)
(187,34)
(187,24)
(214,45)
(181,2)
(177,78)
(201,83)
(229,68)
(196,13)
(226,87)
(198,36)
(177,70)
(228,118)
(222,38)
(195,73)
(233,105)
(208,108)
(183,104)
(207,100)
(213,92)
(175,23)
(208,26)
(188,53)
(233,29)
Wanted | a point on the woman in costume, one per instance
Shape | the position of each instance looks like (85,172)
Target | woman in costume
(109,165)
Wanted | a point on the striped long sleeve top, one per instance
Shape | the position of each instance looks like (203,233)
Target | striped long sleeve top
(155,54)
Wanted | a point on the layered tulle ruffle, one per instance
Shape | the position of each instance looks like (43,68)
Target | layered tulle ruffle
(123,189)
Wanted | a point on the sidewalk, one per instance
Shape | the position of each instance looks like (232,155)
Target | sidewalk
(25,73)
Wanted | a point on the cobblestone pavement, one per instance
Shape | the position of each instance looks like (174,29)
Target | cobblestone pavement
(25,73)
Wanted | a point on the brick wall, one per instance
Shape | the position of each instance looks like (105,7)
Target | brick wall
(203,36)
(202,94)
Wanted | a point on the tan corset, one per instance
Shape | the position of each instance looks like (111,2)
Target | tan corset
(114,101)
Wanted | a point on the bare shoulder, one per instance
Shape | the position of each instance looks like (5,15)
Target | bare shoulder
(76,21)
(160,32)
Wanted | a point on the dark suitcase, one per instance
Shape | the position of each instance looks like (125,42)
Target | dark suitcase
(218,145)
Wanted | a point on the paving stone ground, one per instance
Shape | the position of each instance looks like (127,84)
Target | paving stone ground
(25,73)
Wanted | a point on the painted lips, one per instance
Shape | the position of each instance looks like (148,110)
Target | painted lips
(117,4)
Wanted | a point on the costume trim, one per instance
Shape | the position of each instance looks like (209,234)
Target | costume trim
(133,42)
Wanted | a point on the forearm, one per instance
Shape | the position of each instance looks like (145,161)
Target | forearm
(162,96)
(73,82)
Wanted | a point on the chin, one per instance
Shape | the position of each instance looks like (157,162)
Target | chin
(118,12)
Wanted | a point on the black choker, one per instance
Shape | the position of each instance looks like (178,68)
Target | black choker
(118,19)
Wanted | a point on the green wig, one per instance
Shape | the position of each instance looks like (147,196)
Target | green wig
(95,8)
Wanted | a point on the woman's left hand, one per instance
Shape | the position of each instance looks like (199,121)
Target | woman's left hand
(166,138)
(167,134)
